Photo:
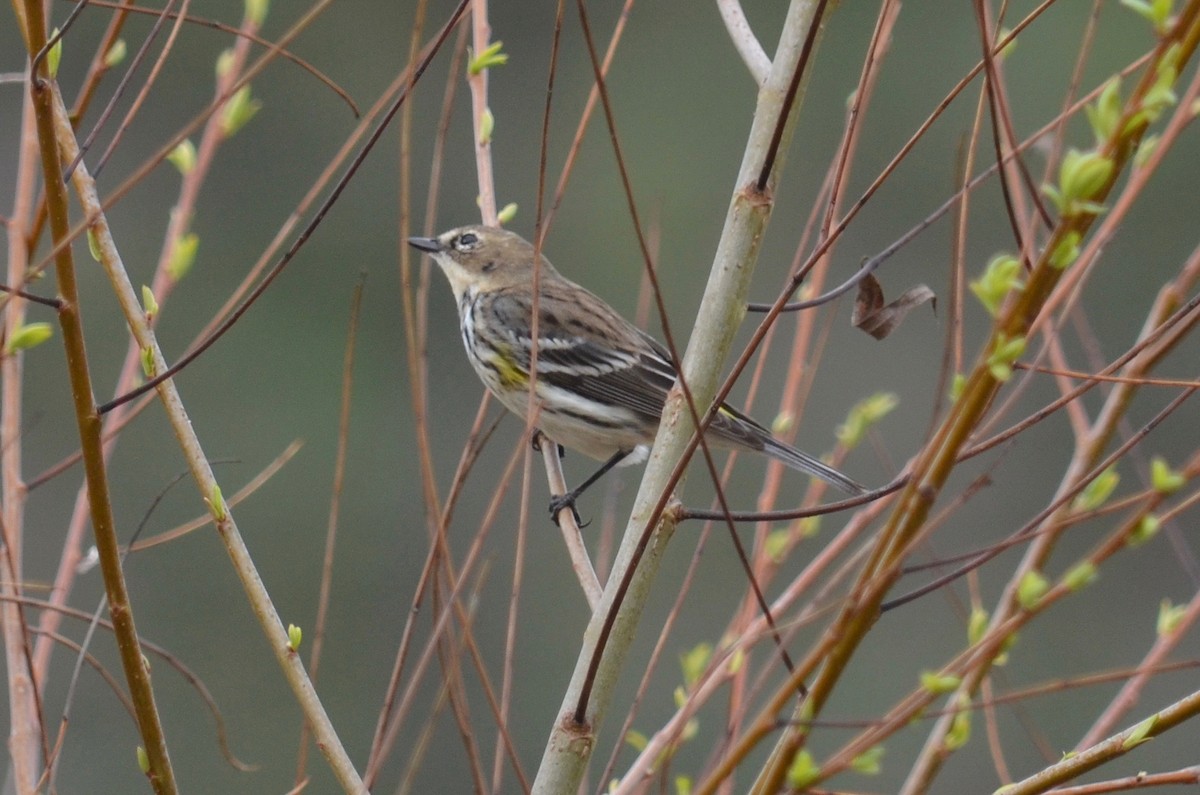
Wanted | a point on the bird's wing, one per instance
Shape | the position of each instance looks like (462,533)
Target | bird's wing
(586,347)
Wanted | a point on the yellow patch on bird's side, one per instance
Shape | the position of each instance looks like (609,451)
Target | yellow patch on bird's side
(510,374)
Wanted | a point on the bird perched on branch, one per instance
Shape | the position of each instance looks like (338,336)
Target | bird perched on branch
(601,381)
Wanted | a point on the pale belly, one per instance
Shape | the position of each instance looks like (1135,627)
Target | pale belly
(561,417)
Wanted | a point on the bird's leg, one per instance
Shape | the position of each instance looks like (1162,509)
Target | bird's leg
(558,502)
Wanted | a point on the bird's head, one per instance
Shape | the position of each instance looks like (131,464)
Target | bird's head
(484,257)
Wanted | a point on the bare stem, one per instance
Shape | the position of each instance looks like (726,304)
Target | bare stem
(572,741)
(47,105)
(260,601)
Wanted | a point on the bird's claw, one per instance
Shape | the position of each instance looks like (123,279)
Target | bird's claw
(536,443)
(560,501)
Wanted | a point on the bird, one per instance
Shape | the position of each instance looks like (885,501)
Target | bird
(601,381)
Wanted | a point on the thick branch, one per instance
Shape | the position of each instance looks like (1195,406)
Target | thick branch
(571,741)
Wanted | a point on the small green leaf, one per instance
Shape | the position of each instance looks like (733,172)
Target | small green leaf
(1000,277)
(782,423)
(143,760)
(148,364)
(1052,193)
(736,661)
(680,696)
(1067,250)
(636,740)
(1098,491)
(695,662)
(1140,733)
(183,156)
(149,303)
(1169,618)
(957,384)
(1145,150)
(507,213)
(939,684)
(28,336)
(489,57)
(1080,575)
(295,635)
(1090,208)
(806,712)
(960,731)
(863,415)
(1006,352)
(1008,49)
(683,785)
(1031,589)
(225,63)
(1006,645)
(54,57)
(1164,479)
(977,624)
(183,255)
(1161,94)
(256,11)
(1146,529)
(1105,115)
(809,526)
(116,54)
(93,244)
(776,545)
(216,504)
(803,770)
(487,125)
(869,762)
(1158,12)
(1081,177)
(238,111)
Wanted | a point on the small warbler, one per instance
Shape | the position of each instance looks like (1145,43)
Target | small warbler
(601,381)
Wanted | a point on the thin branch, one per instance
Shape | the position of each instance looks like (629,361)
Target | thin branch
(744,40)
(49,111)
(1116,746)
(335,503)
(169,372)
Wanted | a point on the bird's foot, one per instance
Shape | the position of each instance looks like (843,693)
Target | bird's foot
(536,443)
(560,501)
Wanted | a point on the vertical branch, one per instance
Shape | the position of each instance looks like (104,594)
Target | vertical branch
(609,634)
(1089,448)
(335,502)
(43,91)
(161,284)
(481,31)
(201,470)
(25,726)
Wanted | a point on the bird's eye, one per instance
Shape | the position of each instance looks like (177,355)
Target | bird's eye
(489,266)
(466,241)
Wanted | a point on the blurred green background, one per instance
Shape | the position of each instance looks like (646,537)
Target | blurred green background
(683,102)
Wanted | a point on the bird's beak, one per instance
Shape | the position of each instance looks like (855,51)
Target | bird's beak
(430,244)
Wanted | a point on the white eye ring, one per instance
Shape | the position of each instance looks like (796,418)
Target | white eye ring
(466,241)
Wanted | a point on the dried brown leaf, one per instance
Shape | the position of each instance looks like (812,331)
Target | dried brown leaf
(879,320)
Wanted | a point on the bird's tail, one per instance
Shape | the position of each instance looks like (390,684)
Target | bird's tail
(803,462)
(736,428)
